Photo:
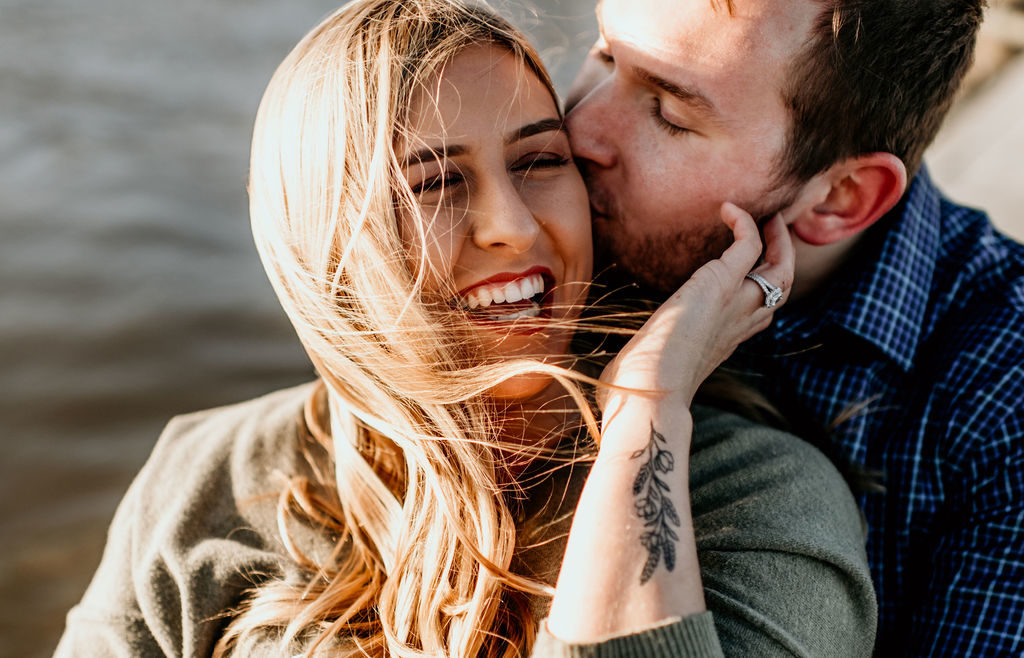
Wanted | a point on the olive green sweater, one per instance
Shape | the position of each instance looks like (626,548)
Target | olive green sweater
(778,534)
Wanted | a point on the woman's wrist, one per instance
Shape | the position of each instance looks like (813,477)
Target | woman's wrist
(628,419)
(631,557)
(647,384)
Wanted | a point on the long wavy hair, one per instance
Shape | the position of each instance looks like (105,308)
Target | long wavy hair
(423,531)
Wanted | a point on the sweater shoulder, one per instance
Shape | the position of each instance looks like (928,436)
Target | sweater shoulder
(253,427)
(195,531)
(732,457)
(780,540)
(214,477)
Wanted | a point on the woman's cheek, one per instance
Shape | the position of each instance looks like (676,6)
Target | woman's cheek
(438,253)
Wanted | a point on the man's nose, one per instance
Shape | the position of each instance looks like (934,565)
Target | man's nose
(503,220)
(592,125)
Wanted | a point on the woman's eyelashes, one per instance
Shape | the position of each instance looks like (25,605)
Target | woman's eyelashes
(540,161)
(447,182)
(668,126)
(437,183)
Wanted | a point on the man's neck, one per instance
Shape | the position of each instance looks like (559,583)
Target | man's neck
(817,265)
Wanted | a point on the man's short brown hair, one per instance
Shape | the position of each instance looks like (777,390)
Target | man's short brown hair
(876,75)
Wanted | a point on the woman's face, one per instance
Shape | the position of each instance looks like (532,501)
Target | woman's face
(507,234)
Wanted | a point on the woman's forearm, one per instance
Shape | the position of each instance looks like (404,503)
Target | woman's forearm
(631,558)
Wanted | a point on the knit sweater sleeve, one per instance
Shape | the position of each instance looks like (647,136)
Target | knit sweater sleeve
(781,549)
(690,637)
(193,534)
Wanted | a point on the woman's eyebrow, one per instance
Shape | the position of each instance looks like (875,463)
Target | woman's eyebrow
(454,150)
(431,153)
(535,128)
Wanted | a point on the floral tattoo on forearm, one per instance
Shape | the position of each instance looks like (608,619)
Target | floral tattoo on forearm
(650,493)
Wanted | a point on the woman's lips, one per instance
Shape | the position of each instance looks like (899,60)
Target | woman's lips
(503,277)
(509,297)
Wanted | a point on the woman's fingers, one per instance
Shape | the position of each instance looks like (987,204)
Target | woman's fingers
(741,257)
(743,253)
(779,260)
(778,243)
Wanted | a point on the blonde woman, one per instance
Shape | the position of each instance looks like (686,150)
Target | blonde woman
(440,490)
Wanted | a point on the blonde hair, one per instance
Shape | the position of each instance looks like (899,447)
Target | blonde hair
(424,546)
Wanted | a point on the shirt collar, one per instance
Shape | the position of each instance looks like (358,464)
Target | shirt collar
(884,303)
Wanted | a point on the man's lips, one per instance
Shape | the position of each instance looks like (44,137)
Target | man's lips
(597,211)
(596,194)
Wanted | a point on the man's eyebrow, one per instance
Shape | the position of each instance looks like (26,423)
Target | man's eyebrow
(688,95)
(431,153)
(535,128)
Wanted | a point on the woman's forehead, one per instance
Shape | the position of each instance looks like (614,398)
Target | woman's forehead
(484,89)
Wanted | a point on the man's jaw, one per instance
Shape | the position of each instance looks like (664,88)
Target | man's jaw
(655,265)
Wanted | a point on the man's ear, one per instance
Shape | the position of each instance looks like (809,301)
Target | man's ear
(848,197)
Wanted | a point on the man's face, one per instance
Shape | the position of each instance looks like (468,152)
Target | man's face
(677,109)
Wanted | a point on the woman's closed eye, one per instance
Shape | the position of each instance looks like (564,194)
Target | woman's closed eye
(441,181)
(540,161)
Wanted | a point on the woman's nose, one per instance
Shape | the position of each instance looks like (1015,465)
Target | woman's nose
(592,125)
(503,219)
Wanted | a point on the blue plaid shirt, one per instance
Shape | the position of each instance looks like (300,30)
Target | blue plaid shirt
(929,338)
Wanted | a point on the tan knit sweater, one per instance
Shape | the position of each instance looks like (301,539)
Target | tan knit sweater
(778,534)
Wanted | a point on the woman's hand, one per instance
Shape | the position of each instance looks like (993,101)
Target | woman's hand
(700,325)
(631,558)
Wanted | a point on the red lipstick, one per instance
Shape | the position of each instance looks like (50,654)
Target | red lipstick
(504,277)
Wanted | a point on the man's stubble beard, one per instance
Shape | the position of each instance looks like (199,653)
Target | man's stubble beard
(659,264)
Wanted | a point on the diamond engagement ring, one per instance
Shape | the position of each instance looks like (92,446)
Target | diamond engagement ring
(772,294)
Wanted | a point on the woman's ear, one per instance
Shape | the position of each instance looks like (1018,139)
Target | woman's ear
(852,195)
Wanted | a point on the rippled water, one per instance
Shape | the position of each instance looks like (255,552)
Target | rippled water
(129,288)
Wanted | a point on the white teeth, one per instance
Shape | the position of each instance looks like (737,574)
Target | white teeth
(531,312)
(526,288)
(513,291)
(536,284)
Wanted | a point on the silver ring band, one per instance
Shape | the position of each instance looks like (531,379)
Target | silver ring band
(772,294)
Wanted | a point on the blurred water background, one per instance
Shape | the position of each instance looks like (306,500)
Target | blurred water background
(129,287)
